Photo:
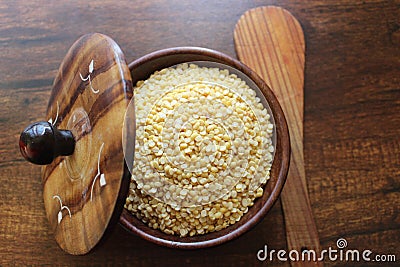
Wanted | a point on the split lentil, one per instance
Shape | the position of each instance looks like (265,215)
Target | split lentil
(203,150)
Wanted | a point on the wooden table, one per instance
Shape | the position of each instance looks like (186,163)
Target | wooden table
(351,120)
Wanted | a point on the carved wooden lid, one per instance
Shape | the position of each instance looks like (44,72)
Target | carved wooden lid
(84,192)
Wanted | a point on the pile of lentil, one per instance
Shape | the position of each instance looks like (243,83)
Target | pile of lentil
(203,150)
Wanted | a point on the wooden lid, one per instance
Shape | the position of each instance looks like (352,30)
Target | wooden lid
(84,192)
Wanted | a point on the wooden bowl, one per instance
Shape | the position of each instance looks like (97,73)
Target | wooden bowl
(141,69)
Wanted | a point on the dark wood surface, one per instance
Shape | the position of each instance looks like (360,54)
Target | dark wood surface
(351,120)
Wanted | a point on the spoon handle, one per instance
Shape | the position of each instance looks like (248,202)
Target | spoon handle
(271,41)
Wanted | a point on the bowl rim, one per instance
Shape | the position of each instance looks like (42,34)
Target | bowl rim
(283,140)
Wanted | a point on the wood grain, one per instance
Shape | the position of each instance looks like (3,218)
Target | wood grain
(271,41)
(351,107)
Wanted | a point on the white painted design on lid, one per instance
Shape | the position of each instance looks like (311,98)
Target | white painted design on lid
(56,118)
(91,68)
(99,174)
(60,215)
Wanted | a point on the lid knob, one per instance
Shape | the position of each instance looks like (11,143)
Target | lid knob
(41,142)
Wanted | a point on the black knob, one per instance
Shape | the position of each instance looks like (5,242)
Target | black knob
(41,142)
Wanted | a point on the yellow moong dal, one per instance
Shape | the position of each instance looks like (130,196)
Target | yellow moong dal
(203,150)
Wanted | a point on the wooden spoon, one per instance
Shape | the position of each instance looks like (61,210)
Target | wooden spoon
(271,41)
